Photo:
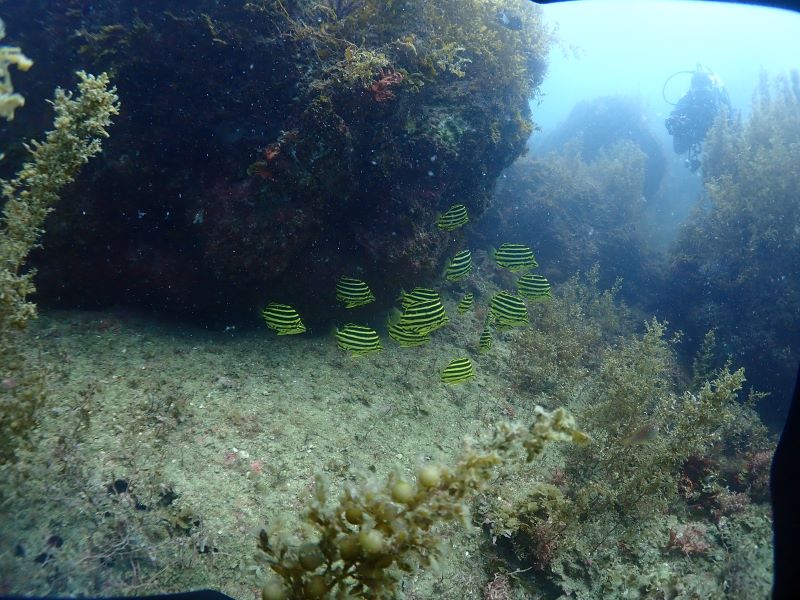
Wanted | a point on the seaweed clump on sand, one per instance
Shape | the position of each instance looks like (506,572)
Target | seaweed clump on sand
(741,247)
(668,499)
(374,532)
(81,122)
(292,143)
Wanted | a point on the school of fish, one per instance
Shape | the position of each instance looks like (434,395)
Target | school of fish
(422,311)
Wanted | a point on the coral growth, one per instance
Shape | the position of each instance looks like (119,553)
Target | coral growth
(498,588)
(381,88)
(690,539)
(756,472)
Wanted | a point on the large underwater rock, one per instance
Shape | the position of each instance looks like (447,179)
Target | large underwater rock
(264,149)
(577,213)
(594,126)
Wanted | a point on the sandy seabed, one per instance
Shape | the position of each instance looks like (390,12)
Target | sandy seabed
(162,450)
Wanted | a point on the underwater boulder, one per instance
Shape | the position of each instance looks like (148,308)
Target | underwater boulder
(260,158)
(598,124)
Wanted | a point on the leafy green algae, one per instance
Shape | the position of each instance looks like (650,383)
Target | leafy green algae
(744,240)
(643,510)
(80,124)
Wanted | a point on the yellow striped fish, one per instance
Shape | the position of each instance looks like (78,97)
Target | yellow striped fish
(460,266)
(466,303)
(424,317)
(515,257)
(418,294)
(283,319)
(459,370)
(358,339)
(406,338)
(535,287)
(353,292)
(508,310)
(485,341)
(455,217)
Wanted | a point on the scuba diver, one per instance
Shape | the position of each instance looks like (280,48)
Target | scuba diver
(695,112)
